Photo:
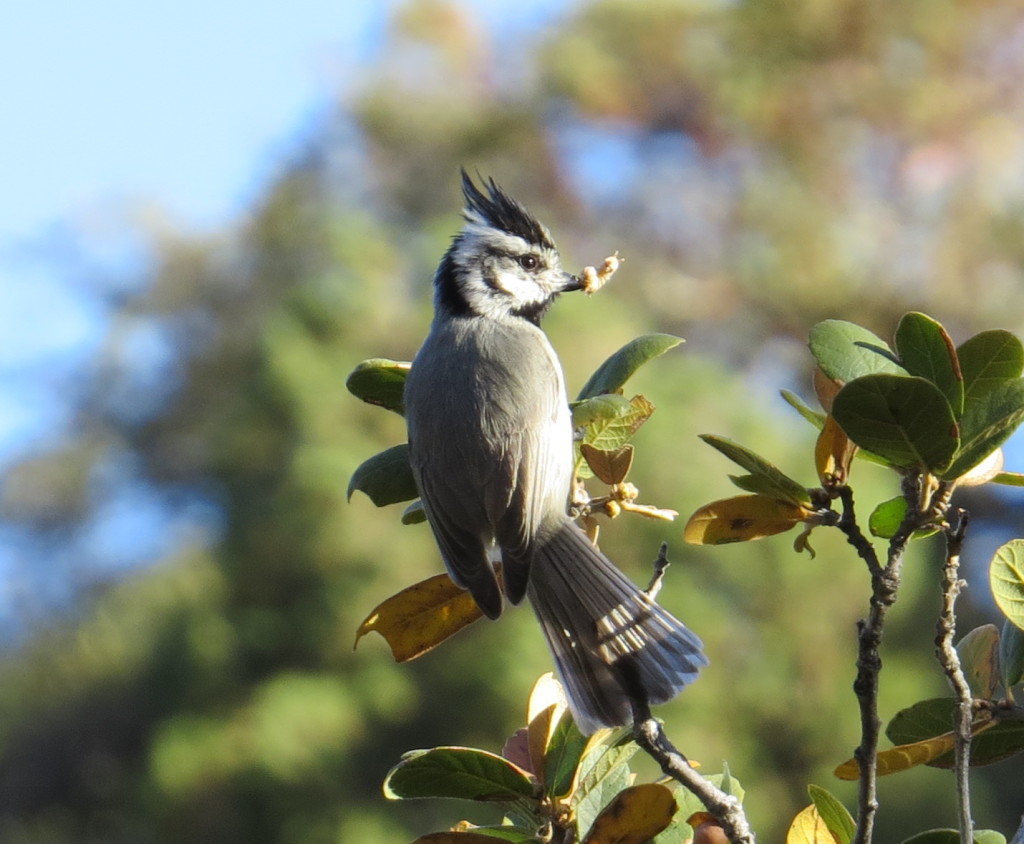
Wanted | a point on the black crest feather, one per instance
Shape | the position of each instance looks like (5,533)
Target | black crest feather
(500,210)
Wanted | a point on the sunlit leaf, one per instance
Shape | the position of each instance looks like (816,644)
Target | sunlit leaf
(546,706)
(887,517)
(1009,479)
(381,382)
(599,409)
(1011,654)
(420,617)
(985,472)
(386,477)
(636,815)
(1006,576)
(993,741)
(740,519)
(825,388)
(986,424)
(462,773)
(809,828)
(904,419)
(901,758)
(565,747)
(925,349)
(603,773)
(833,453)
(771,480)
(835,815)
(989,359)
(845,351)
(815,417)
(610,467)
(612,375)
(979,659)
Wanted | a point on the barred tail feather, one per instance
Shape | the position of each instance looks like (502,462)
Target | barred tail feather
(611,642)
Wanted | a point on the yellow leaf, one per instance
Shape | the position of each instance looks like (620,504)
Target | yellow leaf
(833,453)
(742,518)
(610,467)
(809,828)
(901,758)
(419,618)
(635,815)
(544,711)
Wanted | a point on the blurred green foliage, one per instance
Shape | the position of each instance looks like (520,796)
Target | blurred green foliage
(761,166)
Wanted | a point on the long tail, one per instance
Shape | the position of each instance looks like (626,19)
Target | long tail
(611,642)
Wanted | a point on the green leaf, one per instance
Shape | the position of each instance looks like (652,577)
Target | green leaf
(381,382)
(926,349)
(604,772)
(614,431)
(463,773)
(611,375)
(385,477)
(1011,654)
(563,755)
(989,359)
(833,813)
(768,479)
(887,517)
(845,351)
(986,424)
(1009,479)
(979,654)
(904,419)
(815,417)
(1006,576)
(930,718)
(599,409)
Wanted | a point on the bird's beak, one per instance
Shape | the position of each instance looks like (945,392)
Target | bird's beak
(570,283)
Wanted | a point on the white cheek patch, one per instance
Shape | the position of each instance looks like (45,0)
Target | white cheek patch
(521,289)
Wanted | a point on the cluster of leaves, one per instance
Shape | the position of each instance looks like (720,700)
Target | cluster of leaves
(554,784)
(937,414)
(550,781)
(427,613)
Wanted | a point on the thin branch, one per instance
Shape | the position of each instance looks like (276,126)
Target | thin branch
(950,661)
(649,734)
(885,583)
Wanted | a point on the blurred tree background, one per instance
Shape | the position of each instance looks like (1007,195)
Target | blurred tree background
(761,165)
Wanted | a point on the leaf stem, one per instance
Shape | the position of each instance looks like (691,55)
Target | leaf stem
(950,662)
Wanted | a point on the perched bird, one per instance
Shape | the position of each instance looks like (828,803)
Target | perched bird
(491,448)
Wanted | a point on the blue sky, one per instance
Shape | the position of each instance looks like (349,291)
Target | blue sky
(186,108)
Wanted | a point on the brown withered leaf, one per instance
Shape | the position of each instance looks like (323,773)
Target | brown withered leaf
(825,389)
(610,467)
(421,617)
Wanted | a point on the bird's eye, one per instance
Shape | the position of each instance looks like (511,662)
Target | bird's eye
(528,262)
